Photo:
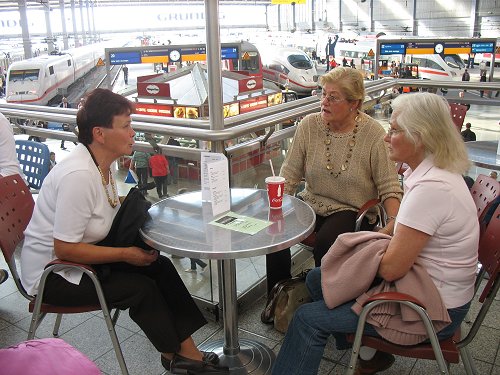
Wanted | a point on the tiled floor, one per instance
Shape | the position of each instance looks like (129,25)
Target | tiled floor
(87,332)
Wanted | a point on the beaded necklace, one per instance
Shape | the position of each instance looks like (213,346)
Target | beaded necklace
(350,144)
(112,202)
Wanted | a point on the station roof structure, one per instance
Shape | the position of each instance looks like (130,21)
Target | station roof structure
(55,4)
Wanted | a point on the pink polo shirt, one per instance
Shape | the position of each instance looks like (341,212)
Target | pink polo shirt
(438,202)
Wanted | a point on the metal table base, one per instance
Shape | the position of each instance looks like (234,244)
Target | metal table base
(253,358)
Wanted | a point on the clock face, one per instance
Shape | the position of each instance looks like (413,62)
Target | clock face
(175,55)
(439,48)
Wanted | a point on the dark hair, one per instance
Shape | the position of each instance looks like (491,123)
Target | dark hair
(99,108)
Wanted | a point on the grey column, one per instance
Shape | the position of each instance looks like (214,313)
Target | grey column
(341,27)
(92,6)
(414,19)
(372,22)
(63,22)
(279,17)
(84,36)
(48,26)
(474,18)
(313,15)
(25,30)
(227,267)
(75,30)
(88,22)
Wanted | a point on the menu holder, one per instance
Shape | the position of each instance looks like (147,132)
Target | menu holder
(215,182)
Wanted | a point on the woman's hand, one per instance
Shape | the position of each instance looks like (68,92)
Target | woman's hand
(139,257)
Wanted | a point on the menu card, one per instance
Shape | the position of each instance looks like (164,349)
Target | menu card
(215,182)
(240,223)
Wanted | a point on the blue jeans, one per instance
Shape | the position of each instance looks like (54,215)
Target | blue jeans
(314,322)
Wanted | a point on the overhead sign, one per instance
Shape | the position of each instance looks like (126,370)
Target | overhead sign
(420,48)
(482,47)
(392,49)
(168,55)
(119,58)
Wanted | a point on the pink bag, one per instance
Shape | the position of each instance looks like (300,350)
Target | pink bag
(45,357)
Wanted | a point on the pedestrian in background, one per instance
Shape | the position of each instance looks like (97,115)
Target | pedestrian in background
(159,170)
(482,79)
(468,135)
(125,74)
(140,162)
(64,104)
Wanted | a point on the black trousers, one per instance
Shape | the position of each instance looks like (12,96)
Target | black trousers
(328,228)
(155,295)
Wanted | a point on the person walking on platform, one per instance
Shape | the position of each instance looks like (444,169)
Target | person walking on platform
(64,104)
(141,166)
(159,169)
(173,163)
(125,74)
(466,77)
(482,79)
(468,135)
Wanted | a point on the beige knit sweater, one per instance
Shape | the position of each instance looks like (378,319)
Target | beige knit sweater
(370,173)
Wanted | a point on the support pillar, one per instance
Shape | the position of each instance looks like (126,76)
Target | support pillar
(63,23)
(49,38)
(84,36)
(75,30)
(28,53)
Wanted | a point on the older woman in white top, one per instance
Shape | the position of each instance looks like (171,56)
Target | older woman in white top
(436,227)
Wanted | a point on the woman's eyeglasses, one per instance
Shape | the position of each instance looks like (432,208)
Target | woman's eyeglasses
(391,132)
(331,99)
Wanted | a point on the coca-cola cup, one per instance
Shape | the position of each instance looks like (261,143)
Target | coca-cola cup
(278,222)
(275,187)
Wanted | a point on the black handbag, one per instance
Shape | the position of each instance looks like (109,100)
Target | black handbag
(285,297)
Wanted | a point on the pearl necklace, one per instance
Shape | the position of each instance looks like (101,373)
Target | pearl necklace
(350,144)
(112,202)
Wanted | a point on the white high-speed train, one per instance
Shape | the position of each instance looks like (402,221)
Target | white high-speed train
(293,69)
(37,80)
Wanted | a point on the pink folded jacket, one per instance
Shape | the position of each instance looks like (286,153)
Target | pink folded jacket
(347,272)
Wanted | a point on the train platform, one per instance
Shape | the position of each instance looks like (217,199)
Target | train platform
(86,331)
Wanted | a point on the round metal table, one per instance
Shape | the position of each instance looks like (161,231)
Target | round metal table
(484,154)
(180,225)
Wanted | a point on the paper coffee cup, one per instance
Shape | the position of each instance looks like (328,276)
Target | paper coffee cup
(275,187)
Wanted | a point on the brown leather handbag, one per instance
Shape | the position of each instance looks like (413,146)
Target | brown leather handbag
(285,297)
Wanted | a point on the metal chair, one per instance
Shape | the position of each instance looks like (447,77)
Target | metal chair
(452,349)
(34,158)
(484,190)
(16,208)
(371,205)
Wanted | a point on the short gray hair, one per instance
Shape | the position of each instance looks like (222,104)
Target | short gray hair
(428,117)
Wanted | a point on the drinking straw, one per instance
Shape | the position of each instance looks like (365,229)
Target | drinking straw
(272,168)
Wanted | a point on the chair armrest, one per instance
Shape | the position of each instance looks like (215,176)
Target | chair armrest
(364,208)
(394,297)
(70,264)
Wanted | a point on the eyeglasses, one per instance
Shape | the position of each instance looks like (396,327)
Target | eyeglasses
(331,99)
(391,131)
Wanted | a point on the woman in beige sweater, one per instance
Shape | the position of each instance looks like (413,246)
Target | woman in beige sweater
(342,156)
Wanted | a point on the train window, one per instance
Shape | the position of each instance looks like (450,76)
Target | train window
(69,62)
(454,61)
(51,70)
(21,75)
(300,61)
(434,65)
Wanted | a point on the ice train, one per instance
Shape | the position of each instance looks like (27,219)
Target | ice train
(291,68)
(40,79)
